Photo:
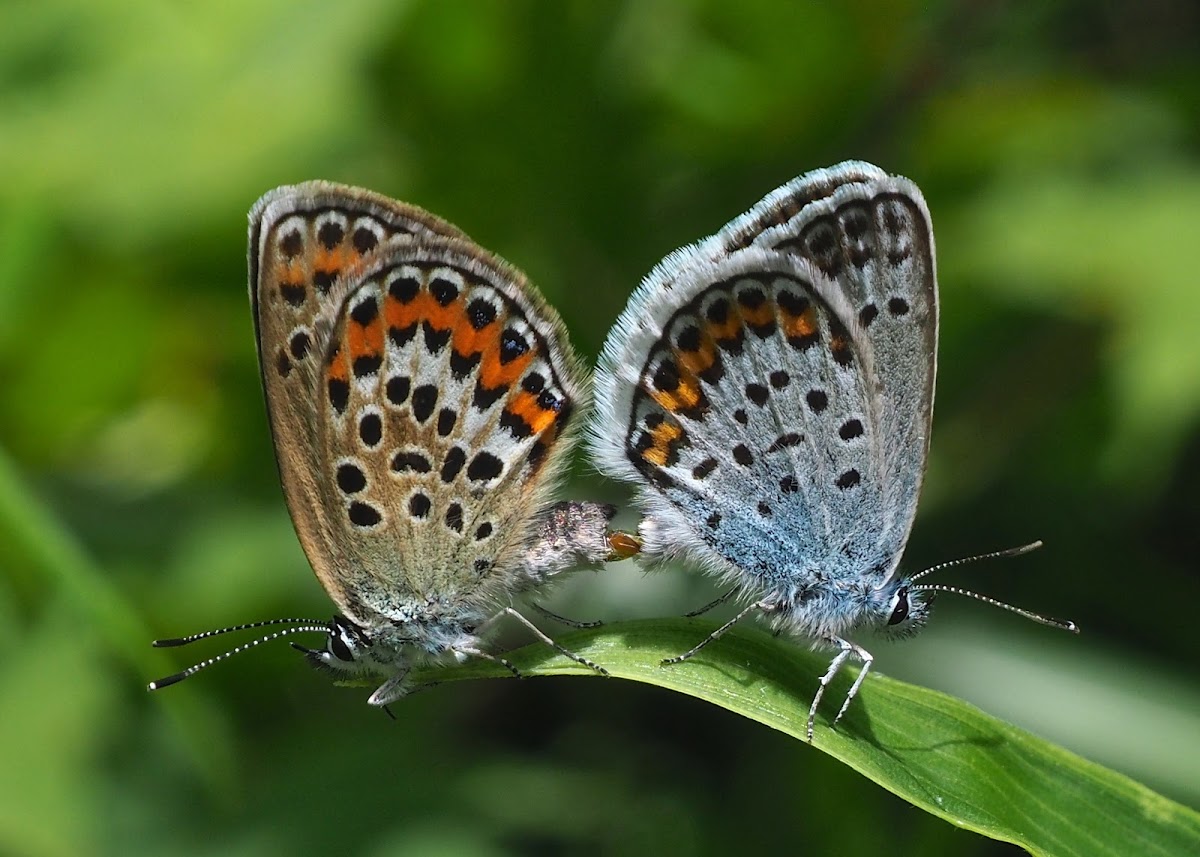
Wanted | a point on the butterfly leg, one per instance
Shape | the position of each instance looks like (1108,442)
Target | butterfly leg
(715,635)
(387,709)
(488,656)
(867,659)
(571,623)
(839,660)
(390,691)
(717,602)
(562,650)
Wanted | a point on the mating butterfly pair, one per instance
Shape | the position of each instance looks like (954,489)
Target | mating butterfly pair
(768,389)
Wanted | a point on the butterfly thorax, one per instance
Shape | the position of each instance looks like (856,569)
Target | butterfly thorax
(825,608)
(389,647)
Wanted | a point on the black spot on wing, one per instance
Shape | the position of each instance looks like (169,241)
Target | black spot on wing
(453,463)
(484,466)
(397,389)
(424,400)
(403,462)
(299,344)
(364,514)
(364,240)
(512,345)
(291,244)
(848,479)
(443,291)
(331,235)
(454,517)
(757,393)
(370,429)
(350,478)
(419,505)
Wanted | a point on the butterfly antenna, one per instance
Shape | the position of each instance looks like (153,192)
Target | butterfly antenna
(966,560)
(1050,621)
(204,635)
(311,625)
(1064,624)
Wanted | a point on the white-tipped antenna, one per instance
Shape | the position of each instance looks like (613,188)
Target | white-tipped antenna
(1064,624)
(305,625)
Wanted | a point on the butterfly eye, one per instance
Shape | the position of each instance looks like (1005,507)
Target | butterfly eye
(339,648)
(900,612)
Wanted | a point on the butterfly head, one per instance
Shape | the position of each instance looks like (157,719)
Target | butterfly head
(901,609)
(347,648)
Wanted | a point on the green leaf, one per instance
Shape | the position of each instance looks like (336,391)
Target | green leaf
(937,752)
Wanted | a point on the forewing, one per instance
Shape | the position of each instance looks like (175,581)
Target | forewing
(443,387)
(871,234)
(303,239)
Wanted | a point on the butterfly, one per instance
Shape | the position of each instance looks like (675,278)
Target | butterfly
(422,399)
(770,390)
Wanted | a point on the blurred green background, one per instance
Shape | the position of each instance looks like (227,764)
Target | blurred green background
(1057,144)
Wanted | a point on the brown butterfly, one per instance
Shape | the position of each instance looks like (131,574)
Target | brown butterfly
(422,398)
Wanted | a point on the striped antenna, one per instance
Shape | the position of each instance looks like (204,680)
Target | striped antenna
(303,626)
(1064,624)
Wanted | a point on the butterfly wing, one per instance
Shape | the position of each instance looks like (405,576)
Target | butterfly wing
(741,387)
(871,233)
(419,391)
(725,403)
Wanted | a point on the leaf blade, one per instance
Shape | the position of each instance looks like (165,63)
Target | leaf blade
(937,752)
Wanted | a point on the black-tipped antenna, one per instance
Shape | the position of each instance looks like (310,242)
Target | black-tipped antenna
(1064,624)
(195,668)
(204,635)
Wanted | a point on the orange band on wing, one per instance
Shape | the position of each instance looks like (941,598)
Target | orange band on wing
(700,361)
(337,259)
(662,436)
(723,330)
(493,373)
(293,271)
(758,316)
(338,369)
(525,405)
(440,317)
(685,397)
(365,341)
(802,325)
(468,341)
(400,315)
